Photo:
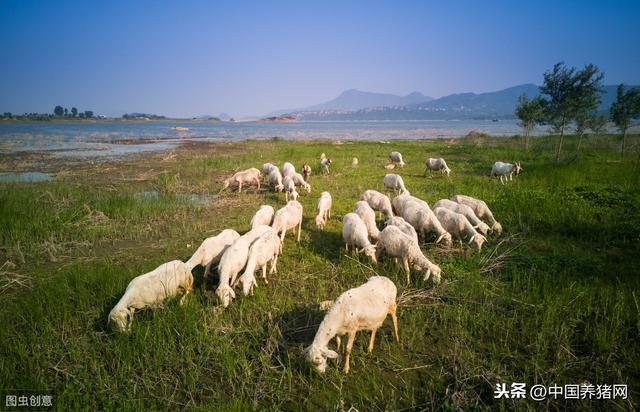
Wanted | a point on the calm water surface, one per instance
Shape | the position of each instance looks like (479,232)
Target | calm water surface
(114,138)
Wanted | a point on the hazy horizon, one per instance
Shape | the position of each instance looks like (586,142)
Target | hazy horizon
(253,58)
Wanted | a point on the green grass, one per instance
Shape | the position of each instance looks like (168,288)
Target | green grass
(554,300)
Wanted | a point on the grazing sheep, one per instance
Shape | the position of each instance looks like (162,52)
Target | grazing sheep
(264,216)
(306,171)
(396,157)
(400,201)
(378,202)
(289,188)
(466,211)
(150,290)
(424,221)
(459,226)
(481,210)
(354,233)
(362,308)
(233,261)
(324,209)
(288,169)
(211,250)
(435,165)
(404,227)
(354,162)
(263,250)
(368,216)
(288,217)
(394,182)
(505,169)
(275,180)
(298,180)
(243,177)
(325,163)
(268,167)
(398,245)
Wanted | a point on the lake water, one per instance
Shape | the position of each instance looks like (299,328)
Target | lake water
(116,138)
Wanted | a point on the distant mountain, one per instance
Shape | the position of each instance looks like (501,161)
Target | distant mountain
(222,116)
(352,100)
(492,105)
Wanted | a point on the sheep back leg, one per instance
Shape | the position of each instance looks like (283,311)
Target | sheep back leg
(299,229)
(394,318)
(372,340)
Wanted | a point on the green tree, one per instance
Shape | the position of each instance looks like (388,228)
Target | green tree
(58,111)
(74,112)
(531,113)
(571,94)
(66,112)
(88,113)
(625,109)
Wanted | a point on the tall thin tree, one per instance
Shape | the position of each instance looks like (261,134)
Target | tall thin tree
(625,109)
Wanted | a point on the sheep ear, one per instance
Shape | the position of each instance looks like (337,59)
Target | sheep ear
(440,238)
(359,250)
(330,353)
(471,240)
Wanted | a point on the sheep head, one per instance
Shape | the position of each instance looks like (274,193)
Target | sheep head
(435,271)
(225,294)
(477,241)
(446,239)
(318,356)
(447,171)
(120,319)
(482,228)
(320,221)
(370,251)
(248,281)
(517,168)
(497,227)
(279,187)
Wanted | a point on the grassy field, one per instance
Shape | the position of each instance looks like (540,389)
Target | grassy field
(554,300)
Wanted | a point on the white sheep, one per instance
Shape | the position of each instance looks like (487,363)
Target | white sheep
(399,202)
(268,167)
(306,171)
(289,188)
(396,157)
(466,211)
(398,245)
(211,250)
(481,210)
(298,179)
(150,290)
(324,209)
(288,217)
(288,169)
(394,182)
(404,227)
(233,261)
(436,164)
(459,226)
(424,221)
(362,308)
(354,162)
(264,216)
(354,233)
(275,180)
(243,177)
(322,156)
(324,164)
(378,201)
(263,250)
(368,216)
(505,169)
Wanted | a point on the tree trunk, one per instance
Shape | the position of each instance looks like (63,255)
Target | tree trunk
(580,141)
(624,141)
(526,140)
(560,144)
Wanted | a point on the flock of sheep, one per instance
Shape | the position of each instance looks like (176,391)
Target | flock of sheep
(238,257)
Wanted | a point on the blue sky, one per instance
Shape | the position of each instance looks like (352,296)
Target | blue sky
(184,58)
